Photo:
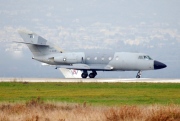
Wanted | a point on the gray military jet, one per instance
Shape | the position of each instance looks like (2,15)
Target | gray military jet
(46,52)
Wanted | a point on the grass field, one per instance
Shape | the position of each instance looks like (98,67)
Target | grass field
(37,110)
(92,93)
(89,101)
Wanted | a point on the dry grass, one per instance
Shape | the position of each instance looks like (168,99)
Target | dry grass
(37,110)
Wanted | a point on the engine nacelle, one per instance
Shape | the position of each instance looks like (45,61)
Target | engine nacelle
(70,58)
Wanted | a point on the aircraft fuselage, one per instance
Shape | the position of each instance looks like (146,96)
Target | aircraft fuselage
(118,61)
(45,52)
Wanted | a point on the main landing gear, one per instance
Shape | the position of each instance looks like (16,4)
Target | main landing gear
(84,74)
(91,75)
(138,74)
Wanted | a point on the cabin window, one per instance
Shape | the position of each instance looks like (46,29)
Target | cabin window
(110,58)
(102,58)
(88,58)
(95,58)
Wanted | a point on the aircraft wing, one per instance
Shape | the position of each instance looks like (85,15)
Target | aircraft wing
(75,66)
(87,67)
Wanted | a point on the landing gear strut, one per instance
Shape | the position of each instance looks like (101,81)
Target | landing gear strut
(93,74)
(138,74)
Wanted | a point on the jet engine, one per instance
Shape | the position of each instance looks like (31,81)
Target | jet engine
(69,58)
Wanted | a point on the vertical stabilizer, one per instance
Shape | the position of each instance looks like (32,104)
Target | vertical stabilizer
(37,44)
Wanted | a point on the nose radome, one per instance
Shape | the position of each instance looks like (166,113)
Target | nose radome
(159,65)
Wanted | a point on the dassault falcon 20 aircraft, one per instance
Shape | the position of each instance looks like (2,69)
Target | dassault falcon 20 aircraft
(45,52)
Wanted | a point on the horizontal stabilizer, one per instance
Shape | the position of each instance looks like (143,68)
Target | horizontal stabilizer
(31,43)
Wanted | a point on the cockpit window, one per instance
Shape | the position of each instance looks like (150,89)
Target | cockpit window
(145,57)
(141,57)
(149,58)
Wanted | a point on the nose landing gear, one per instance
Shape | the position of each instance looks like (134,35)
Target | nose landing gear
(138,74)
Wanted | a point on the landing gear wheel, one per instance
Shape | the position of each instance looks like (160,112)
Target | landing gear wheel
(138,74)
(84,75)
(91,75)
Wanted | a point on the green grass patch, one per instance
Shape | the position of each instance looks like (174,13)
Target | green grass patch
(92,93)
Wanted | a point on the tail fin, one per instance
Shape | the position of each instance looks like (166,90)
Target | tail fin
(37,44)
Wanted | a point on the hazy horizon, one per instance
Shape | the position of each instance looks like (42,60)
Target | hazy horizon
(150,26)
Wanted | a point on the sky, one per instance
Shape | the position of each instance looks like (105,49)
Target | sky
(147,26)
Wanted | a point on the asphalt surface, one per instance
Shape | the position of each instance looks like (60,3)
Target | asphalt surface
(127,80)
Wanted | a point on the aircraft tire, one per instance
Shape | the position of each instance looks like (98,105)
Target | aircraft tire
(84,75)
(138,76)
(91,75)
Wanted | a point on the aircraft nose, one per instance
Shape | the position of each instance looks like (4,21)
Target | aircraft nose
(159,65)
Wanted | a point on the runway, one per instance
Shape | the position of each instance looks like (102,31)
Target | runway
(110,80)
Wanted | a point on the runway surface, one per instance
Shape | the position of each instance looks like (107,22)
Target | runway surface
(111,80)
